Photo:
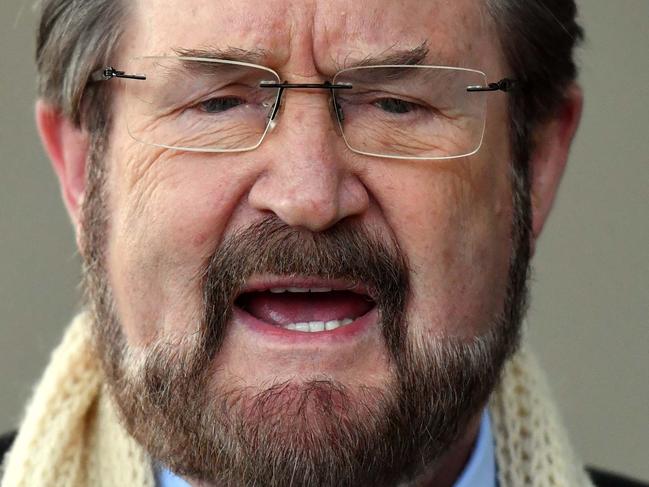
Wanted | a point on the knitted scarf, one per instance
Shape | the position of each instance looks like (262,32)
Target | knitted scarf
(71,436)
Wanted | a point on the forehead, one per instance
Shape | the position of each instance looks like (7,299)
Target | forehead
(308,36)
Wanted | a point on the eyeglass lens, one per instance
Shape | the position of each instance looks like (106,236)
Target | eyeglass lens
(206,105)
(411,111)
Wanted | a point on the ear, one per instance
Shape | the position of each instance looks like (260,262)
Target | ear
(548,161)
(66,144)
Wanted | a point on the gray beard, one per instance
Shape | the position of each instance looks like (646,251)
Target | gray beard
(312,432)
(315,431)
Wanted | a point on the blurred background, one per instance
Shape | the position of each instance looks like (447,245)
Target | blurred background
(589,316)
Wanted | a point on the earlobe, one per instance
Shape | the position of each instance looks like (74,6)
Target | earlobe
(66,144)
(548,161)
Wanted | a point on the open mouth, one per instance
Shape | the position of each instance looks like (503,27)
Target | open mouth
(314,307)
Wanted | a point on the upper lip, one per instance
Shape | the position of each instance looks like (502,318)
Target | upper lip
(267,282)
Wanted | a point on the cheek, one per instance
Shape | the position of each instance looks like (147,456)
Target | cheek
(169,214)
(454,225)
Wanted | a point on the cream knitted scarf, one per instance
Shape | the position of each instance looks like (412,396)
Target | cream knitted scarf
(71,436)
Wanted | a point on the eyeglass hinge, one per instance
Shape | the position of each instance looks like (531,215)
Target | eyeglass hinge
(109,72)
(506,85)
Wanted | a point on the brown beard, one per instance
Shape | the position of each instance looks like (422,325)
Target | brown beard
(316,431)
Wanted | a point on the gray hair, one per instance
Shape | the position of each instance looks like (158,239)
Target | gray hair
(75,37)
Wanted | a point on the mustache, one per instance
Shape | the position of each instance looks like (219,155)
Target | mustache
(348,251)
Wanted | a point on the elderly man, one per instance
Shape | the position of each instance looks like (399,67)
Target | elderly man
(306,230)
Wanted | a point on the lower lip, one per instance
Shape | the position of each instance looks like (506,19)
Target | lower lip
(343,333)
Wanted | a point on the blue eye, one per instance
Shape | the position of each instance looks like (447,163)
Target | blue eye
(218,105)
(394,105)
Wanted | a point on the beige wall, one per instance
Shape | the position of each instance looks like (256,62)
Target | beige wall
(590,303)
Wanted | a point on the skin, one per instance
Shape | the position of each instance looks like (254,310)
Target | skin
(452,219)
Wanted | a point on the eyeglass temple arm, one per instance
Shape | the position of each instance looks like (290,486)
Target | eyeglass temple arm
(109,72)
(505,84)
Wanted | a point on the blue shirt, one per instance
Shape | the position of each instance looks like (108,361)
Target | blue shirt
(480,470)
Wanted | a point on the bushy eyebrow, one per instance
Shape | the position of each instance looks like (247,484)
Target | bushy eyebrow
(392,56)
(253,56)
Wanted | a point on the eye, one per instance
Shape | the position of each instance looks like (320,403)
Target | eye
(395,105)
(221,104)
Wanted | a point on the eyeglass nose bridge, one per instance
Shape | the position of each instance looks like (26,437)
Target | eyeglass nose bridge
(317,86)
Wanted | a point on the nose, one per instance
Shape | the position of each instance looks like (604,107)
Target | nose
(308,181)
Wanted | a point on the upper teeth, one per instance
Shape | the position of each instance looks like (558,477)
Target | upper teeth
(300,289)
(316,326)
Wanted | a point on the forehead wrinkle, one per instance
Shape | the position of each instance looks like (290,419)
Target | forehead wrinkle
(300,22)
(454,33)
(220,27)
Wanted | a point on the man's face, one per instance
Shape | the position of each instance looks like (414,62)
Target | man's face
(194,242)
